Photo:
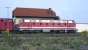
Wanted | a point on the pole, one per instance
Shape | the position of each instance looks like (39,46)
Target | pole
(7,9)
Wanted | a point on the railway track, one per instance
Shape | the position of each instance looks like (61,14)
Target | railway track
(42,35)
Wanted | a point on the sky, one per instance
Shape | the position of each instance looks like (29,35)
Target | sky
(67,9)
(82,27)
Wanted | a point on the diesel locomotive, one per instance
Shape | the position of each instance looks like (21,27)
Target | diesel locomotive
(29,25)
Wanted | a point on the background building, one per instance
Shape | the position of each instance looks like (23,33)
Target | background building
(33,13)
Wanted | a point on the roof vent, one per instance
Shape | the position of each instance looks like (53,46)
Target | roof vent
(49,9)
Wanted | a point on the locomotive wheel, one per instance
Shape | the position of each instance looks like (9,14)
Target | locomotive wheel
(71,31)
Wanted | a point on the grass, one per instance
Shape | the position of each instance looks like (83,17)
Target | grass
(43,42)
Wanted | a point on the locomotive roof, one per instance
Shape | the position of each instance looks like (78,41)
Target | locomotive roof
(34,12)
(50,21)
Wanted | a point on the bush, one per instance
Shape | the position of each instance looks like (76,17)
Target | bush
(84,33)
(10,40)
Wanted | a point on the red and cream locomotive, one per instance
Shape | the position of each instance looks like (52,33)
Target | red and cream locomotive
(64,26)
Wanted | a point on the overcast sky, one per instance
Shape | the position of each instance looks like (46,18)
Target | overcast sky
(67,9)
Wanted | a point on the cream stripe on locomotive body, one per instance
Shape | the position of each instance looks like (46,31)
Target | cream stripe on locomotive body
(50,28)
